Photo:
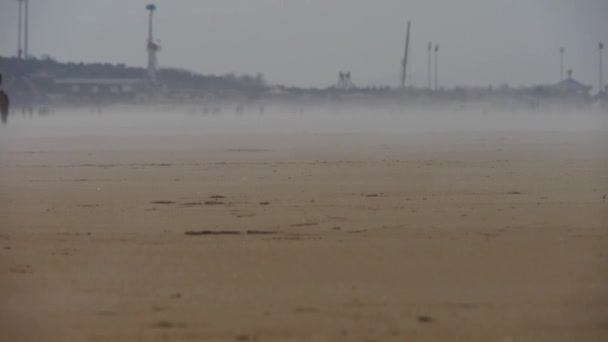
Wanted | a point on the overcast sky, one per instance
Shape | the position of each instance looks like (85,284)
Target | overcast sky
(307,42)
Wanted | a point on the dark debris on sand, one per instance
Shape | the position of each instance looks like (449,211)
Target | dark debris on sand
(213,202)
(229,232)
(425,319)
(212,232)
(261,232)
(373,194)
(190,204)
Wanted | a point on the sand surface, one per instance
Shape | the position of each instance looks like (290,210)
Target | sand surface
(461,236)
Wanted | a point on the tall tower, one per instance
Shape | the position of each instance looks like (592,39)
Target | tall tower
(404,61)
(26,28)
(19,40)
(152,48)
(344,81)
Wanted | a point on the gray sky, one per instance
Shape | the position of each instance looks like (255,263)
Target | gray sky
(306,42)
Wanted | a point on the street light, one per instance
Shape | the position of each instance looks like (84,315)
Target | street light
(601,47)
(436,67)
(561,63)
(430,50)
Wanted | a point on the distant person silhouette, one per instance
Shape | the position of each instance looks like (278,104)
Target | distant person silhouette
(3,103)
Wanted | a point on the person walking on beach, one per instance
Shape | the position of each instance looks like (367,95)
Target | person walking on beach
(3,103)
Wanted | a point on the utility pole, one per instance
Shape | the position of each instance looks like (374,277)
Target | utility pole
(404,61)
(428,71)
(601,47)
(436,67)
(25,53)
(561,63)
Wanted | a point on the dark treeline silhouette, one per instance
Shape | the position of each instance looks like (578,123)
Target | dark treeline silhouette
(42,81)
(34,67)
(45,70)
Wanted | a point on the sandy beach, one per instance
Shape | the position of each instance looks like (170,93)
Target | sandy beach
(485,235)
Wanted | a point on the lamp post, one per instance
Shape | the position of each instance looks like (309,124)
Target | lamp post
(436,67)
(601,47)
(561,63)
(428,71)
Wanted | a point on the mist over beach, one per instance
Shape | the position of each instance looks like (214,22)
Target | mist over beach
(311,171)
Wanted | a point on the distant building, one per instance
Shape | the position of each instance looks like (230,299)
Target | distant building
(570,86)
(101,88)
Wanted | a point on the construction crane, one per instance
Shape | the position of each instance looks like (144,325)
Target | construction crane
(152,48)
(405,54)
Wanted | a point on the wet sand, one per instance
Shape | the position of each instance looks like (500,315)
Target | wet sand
(465,236)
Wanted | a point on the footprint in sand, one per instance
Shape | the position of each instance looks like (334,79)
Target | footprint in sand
(169,325)
(305,224)
(241,213)
(21,269)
